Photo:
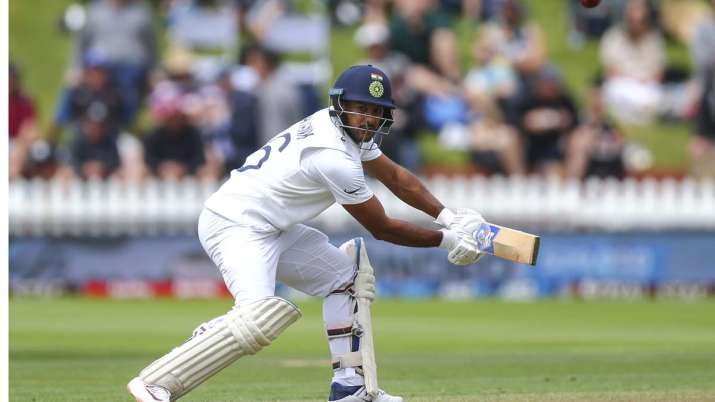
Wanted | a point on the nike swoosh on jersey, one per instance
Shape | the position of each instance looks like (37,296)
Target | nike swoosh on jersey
(351,191)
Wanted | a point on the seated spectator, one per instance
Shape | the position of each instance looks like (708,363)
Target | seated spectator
(22,123)
(94,90)
(702,144)
(174,149)
(242,131)
(546,118)
(43,162)
(589,23)
(633,57)
(94,153)
(374,38)
(596,147)
(679,19)
(205,105)
(122,32)
(422,32)
(702,55)
(492,74)
(495,147)
(515,39)
(701,45)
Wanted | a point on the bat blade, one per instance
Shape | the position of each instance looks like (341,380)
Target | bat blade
(507,243)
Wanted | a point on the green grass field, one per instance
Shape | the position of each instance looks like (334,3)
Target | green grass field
(85,350)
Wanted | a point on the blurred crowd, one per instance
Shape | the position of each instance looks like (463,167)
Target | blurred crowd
(220,85)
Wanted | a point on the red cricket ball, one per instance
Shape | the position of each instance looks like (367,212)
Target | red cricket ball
(590,3)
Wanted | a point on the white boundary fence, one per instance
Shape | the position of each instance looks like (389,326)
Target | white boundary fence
(113,208)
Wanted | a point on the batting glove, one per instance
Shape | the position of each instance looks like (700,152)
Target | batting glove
(462,220)
(462,248)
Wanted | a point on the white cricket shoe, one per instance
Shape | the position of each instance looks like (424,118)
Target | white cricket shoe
(346,393)
(143,392)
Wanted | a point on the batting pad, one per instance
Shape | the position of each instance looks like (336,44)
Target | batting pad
(243,331)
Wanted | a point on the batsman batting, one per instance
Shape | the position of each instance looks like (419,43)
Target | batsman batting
(253,230)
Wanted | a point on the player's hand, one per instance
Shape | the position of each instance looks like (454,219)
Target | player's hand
(461,219)
(462,248)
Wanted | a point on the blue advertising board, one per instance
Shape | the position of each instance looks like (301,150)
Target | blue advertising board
(641,259)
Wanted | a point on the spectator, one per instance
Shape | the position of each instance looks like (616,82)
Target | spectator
(516,40)
(589,23)
(424,34)
(210,112)
(174,149)
(597,147)
(42,162)
(204,104)
(122,32)
(492,74)
(633,56)
(374,38)
(279,99)
(702,144)
(94,90)
(243,126)
(702,46)
(22,123)
(94,153)
(495,147)
(546,118)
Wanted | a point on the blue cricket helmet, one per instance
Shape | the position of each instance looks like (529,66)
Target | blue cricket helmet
(365,84)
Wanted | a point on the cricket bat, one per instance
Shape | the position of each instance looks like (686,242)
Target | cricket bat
(510,244)
(367,347)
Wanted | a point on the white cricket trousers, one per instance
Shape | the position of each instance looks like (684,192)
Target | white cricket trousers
(253,255)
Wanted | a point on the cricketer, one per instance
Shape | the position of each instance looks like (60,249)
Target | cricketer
(252,229)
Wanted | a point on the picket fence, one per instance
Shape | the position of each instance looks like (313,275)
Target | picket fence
(114,208)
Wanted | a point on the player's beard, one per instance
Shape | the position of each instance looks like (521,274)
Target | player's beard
(364,134)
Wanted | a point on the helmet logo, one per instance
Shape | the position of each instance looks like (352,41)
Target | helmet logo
(376,89)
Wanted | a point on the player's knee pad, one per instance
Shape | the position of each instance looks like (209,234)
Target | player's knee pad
(243,331)
(361,354)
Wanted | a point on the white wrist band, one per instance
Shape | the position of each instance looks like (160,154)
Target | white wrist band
(449,239)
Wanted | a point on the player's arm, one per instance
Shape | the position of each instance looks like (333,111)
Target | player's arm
(462,251)
(372,216)
(410,189)
(405,185)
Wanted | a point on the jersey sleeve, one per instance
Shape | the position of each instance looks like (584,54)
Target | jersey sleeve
(341,174)
(368,155)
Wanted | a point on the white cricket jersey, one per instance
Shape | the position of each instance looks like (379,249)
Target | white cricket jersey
(297,175)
